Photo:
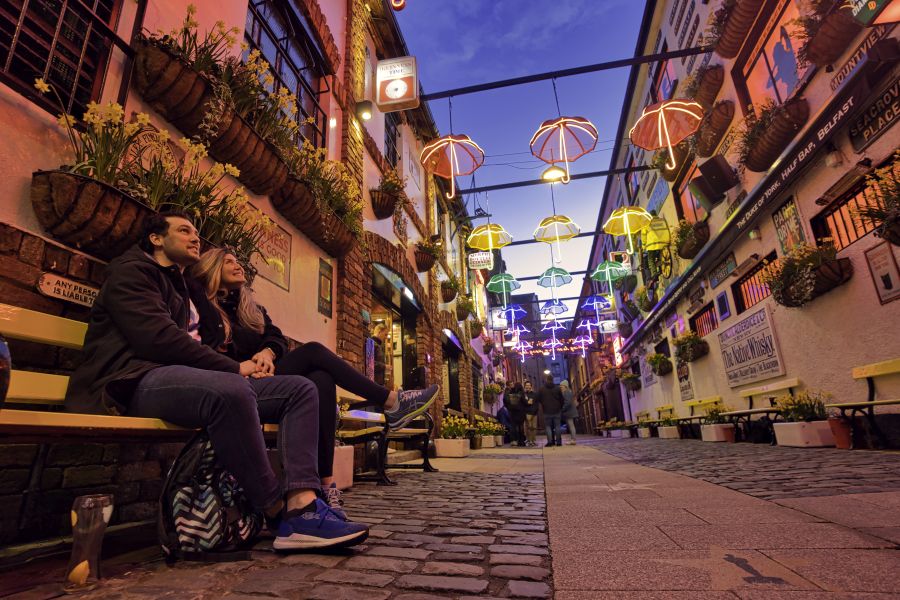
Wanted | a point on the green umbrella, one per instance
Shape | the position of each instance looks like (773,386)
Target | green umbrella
(609,271)
(554,277)
(503,283)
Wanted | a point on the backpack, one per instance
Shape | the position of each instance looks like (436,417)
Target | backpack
(203,513)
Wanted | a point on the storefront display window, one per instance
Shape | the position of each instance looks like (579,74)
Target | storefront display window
(393,331)
(688,206)
(772,73)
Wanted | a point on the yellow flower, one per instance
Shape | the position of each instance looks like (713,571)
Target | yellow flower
(244,46)
(114,112)
(191,9)
(66,121)
(232,170)
(163,135)
(143,119)
(268,80)
(185,143)
(41,85)
(131,128)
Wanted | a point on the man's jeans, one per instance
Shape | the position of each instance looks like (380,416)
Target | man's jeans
(554,435)
(531,428)
(231,408)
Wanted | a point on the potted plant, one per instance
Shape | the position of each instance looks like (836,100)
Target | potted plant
(630,310)
(487,347)
(668,428)
(449,288)
(464,308)
(841,429)
(643,430)
(690,238)
(716,427)
(484,430)
(660,160)
(625,329)
(730,24)
(824,32)
(704,84)
(713,129)
(386,198)
(689,347)
(499,431)
(627,283)
(884,184)
(767,130)
(426,253)
(476,327)
(453,441)
(806,273)
(631,381)
(806,425)
(660,364)
(491,391)
(645,299)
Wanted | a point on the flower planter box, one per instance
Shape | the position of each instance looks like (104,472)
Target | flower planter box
(694,351)
(86,214)
(737,25)
(620,433)
(714,127)
(183,96)
(710,83)
(448,293)
(383,203)
(692,246)
(815,434)
(663,368)
(833,38)
(644,432)
(719,432)
(295,201)
(829,275)
(475,442)
(487,441)
(669,432)
(424,260)
(792,115)
(343,467)
(451,448)
(498,440)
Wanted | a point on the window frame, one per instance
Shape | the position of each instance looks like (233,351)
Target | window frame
(392,145)
(681,187)
(737,293)
(696,321)
(842,205)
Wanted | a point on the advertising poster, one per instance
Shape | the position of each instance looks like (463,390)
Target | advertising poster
(884,271)
(749,349)
(787,226)
(683,371)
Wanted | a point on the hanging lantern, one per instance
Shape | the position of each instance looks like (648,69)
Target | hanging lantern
(556,229)
(665,124)
(656,235)
(451,156)
(488,237)
(627,221)
(563,140)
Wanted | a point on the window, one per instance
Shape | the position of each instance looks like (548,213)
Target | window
(838,221)
(283,38)
(688,207)
(772,71)
(705,321)
(690,37)
(65,43)
(663,80)
(391,137)
(681,19)
(750,289)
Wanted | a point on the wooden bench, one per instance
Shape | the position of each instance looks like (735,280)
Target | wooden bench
(768,414)
(867,408)
(768,391)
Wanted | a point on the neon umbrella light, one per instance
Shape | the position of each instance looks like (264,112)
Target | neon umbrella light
(556,228)
(513,312)
(553,307)
(598,303)
(503,283)
(584,341)
(664,124)
(451,156)
(522,347)
(553,326)
(488,237)
(563,140)
(554,277)
(627,221)
(609,271)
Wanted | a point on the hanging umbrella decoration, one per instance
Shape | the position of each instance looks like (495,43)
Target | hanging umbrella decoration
(488,237)
(584,339)
(503,283)
(553,307)
(511,314)
(665,124)
(609,271)
(556,229)
(553,278)
(452,156)
(598,303)
(552,326)
(522,347)
(627,221)
(563,140)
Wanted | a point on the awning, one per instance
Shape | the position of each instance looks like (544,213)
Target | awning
(403,294)
(846,101)
(450,337)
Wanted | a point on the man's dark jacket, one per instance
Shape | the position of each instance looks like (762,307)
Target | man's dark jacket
(550,397)
(138,322)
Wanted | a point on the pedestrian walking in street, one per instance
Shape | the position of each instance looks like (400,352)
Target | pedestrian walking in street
(514,401)
(504,419)
(569,410)
(531,412)
(551,400)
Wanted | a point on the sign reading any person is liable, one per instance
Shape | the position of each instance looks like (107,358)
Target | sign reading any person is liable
(55,286)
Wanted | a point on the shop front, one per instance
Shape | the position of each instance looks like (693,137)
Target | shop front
(393,346)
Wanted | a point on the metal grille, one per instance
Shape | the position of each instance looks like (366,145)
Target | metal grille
(839,221)
(706,321)
(390,138)
(295,62)
(65,42)
(750,289)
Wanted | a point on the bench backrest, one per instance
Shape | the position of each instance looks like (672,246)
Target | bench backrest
(887,367)
(777,386)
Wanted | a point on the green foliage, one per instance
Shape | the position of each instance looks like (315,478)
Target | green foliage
(465,303)
(689,346)
(715,415)
(668,421)
(644,299)
(392,183)
(433,247)
(684,233)
(792,278)
(202,53)
(808,405)
(883,195)
(758,121)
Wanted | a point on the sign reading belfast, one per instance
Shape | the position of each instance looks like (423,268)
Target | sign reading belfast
(750,351)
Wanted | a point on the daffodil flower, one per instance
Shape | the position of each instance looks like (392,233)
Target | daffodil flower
(41,85)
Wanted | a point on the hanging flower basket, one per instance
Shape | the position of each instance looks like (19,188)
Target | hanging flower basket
(738,19)
(424,260)
(448,291)
(690,347)
(497,360)
(660,364)
(833,37)
(709,84)
(829,275)
(714,127)
(693,240)
(627,283)
(475,328)
(660,159)
(86,214)
(295,201)
(625,329)
(462,313)
(631,382)
(890,231)
(384,204)
(778,131)
(183,96)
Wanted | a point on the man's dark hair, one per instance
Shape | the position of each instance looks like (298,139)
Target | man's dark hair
(157,224)
(549,379)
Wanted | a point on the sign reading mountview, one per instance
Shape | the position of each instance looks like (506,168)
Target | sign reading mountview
(750,351)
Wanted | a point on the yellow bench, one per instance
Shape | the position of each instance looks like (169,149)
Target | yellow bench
(867,408)
(768,390)
(703,403)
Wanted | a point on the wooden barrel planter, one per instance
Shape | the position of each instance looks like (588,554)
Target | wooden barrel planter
(383,204)
(183,96)
(710,83)
(324,228)
(737,24)
(87,214)
(424,260)
(792,115)
(692,246)
(834,36)
(714,127)
(448,293)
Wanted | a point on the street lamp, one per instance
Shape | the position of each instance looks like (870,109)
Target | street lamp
(364,110)
(546,371)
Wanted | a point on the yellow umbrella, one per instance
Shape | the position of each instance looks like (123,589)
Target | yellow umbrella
(488,237)
(627,221)
(557,228)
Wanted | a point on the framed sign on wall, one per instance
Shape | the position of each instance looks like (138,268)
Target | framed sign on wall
(885,275)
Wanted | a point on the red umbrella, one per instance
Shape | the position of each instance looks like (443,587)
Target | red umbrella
(451,156)
(564,139)
(664,124)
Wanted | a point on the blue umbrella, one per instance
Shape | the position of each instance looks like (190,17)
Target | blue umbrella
(598,303)
(512,312)
(553,307)
(554,277)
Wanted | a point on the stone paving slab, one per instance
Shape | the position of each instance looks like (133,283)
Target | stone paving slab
(853,510)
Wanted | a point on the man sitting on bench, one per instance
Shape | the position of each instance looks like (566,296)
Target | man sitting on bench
(143,358)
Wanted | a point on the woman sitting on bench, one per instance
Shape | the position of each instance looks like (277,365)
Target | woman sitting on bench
(241,329)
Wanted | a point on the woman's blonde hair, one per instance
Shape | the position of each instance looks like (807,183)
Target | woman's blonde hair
(208,271)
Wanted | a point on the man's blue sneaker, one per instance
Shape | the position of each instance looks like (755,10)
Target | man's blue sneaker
(322,528)
(411,404)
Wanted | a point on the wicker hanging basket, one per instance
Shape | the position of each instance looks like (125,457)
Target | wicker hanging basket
(737,25)
(791,117)
(832,39)
(295,201)
(710,83)
(692,246)
(383,203)
(714,127)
